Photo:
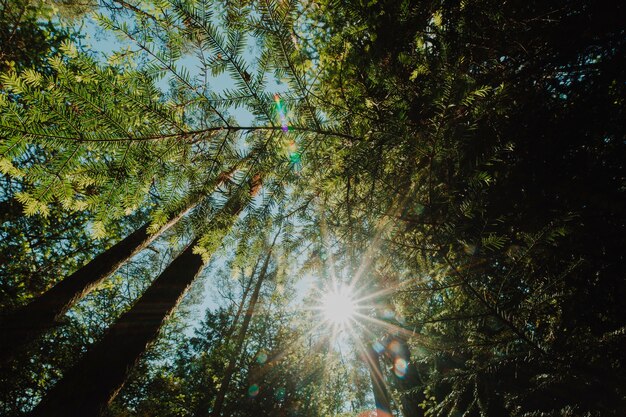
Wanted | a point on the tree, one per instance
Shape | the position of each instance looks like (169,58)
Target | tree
(381,396)
(469,114)
(263,273)
(26,323)
(113,357)
(27,34)
(460,164)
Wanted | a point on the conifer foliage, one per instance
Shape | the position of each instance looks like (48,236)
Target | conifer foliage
(458,166)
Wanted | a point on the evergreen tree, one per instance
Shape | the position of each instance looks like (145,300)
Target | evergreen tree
(110,360)
(26,323)
(459,165)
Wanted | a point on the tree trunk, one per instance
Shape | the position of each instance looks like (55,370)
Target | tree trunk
(221,394)
(406,378)
(93,383)
(244,296)
(204,405)
(25,324)
(381,396)
(89,387)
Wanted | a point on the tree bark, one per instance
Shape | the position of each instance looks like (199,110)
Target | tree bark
(407,380)
(93,383)
(90,386)
(22,326)
(381,396)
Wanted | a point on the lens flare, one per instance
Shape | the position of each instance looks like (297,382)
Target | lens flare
(378,347)
(338,306)
(281,113)
(395,347)
(295,158)
(261,358)
(253,391)
(280,394)
(400,367)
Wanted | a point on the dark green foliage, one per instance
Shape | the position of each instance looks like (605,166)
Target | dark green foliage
(27,35)
(497,128)
(275,359)
(463,161)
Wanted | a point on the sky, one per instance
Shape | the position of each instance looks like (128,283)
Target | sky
(307,287)
(102,44)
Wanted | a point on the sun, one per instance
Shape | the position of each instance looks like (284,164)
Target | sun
(338,306)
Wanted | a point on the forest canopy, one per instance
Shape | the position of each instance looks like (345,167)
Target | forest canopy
(312,208)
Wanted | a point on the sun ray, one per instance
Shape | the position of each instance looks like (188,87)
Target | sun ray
(376,375)
(338,306)
(381,227)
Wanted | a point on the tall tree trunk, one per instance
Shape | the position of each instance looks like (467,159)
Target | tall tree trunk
(25,324)
(221,394)
(92,384)
(381,396)
(89,387)
(244,297)
(406,378)
(204,405)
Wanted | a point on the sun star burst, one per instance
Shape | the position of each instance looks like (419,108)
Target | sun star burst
(338,306)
